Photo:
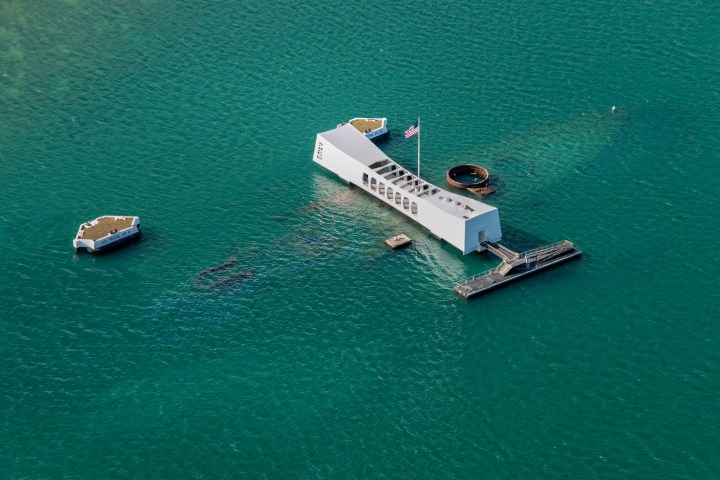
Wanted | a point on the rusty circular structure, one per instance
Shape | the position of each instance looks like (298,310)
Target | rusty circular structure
(467,175)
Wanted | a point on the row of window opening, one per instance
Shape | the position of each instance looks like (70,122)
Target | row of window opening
(391,195)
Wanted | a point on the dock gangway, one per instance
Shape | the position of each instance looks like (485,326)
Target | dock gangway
(515,265)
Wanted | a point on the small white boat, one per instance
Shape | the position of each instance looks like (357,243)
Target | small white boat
(373,128)
(106,233)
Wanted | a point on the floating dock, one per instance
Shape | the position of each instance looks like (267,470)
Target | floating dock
(398,241)
(107,233)
(515,265)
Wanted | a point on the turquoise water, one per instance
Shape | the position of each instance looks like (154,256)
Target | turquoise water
(335,358)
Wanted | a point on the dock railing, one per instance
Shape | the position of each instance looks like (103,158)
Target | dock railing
(546,248)
(476,276)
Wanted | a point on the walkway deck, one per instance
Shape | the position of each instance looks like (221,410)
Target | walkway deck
(104,226)
(364,125)
(515,265)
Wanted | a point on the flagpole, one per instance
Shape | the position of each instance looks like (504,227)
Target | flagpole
(418,148)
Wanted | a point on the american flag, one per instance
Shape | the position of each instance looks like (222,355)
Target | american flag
(414,128)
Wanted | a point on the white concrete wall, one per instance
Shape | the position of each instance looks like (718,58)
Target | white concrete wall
(487,223)
(338,162)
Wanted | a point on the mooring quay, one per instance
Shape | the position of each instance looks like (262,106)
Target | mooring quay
(465,223)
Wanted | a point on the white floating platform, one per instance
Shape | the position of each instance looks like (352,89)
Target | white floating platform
(462,222)
(398,241)
(106,233)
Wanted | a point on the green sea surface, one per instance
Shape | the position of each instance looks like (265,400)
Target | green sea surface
(330,356)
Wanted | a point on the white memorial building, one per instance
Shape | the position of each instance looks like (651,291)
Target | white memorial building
(462,222)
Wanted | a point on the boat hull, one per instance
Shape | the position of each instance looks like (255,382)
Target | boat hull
(112,246)
(380,137)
